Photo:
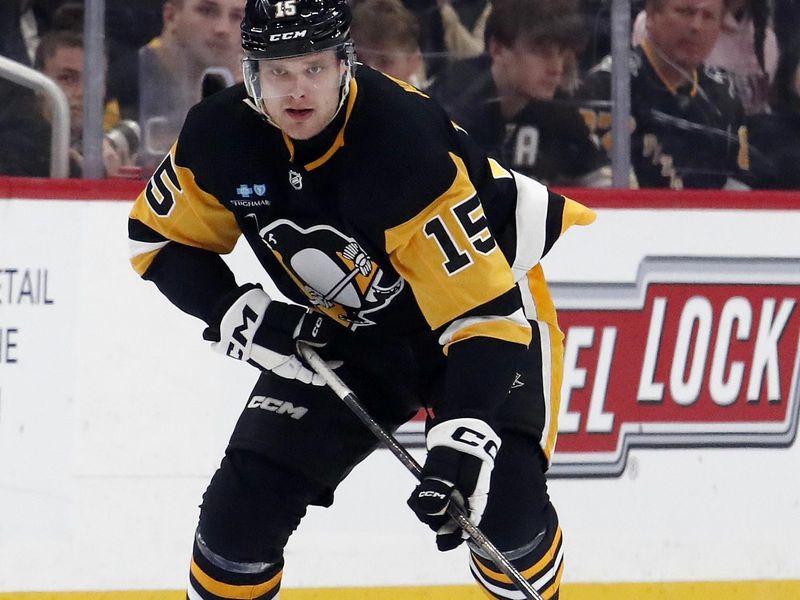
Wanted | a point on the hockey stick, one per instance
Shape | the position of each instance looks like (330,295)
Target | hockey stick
(456,512)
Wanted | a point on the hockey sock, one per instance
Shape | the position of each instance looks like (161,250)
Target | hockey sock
(211,577)
(541,562)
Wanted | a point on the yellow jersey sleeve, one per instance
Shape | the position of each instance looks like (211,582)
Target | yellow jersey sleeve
(448,255)
(173,207)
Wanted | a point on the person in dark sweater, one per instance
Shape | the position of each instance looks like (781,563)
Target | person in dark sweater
(511,100)
(688,124)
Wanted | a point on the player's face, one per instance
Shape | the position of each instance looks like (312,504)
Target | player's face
(528,70)
(65,67)
(396,63)
(208,31)
(685,31)
(301,94)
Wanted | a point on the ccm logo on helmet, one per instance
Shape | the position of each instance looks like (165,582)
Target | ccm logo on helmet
(470,437)
(289,35)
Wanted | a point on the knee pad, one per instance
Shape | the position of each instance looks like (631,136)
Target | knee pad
(540,561)
(252,506)
(212,576)
(517,510)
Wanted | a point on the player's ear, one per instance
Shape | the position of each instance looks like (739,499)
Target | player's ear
(168,13)
(496,49)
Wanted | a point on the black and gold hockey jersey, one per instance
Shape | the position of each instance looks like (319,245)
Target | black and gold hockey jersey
(391,221)
(693,136)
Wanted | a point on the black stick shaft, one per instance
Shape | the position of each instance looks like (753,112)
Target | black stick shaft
(457,513)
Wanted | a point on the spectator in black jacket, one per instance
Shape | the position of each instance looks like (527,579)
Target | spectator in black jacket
(512,102)
(689,127)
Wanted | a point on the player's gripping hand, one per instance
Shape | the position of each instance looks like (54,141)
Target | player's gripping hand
(263,332)
(458,468)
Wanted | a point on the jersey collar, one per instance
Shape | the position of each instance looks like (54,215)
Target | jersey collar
(338,141)
(650,54)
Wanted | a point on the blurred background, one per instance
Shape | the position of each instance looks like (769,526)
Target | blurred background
(695,93)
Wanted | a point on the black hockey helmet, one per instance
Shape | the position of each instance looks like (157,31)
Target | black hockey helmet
(285,28)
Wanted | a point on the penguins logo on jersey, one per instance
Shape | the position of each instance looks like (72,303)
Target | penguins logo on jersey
(333,270)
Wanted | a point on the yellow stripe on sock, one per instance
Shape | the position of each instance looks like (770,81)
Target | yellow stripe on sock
(529,572)
(234,592)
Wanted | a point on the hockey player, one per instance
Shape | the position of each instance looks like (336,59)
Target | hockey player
(415,260)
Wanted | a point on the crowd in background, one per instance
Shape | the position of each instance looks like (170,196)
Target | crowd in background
(715,84)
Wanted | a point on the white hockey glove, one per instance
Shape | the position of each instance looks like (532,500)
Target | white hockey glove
(263,332)
(458,469)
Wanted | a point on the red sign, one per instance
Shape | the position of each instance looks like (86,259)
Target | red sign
(699,352)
